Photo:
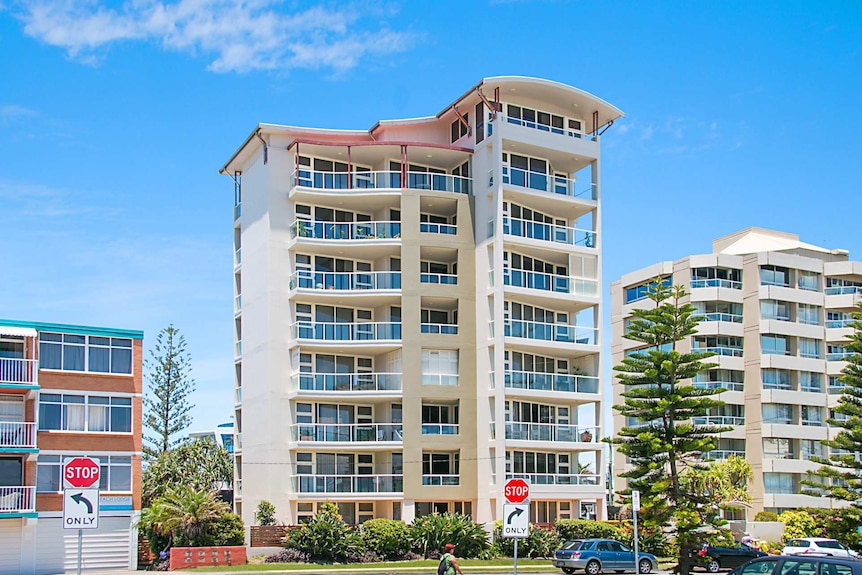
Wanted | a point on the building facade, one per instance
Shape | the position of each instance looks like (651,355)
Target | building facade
(776,311)
(417,309)
(68,391)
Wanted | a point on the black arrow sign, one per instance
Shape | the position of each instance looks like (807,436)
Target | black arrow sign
(79,498)
(515,513)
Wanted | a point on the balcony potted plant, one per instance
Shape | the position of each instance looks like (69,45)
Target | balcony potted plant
(586,436)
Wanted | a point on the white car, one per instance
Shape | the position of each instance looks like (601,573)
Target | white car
(817,546)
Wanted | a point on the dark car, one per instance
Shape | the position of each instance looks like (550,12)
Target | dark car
(596,555)
(714,558)
(800,565)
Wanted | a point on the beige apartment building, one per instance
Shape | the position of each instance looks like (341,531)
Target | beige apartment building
(776,311)
(418,309)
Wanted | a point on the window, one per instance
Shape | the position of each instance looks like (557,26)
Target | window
(94,413)
(716,277)
(720,344)
(732,380)
(639,292)
(777,448)
(809,348)
(460,128)
(777,413)
(808,314)
(778,482)
(538,120)
(773,345)
(810,381)
(116,473)
(440,468)
(85,353)
(809,280)
(811,448)
(811,415)
(801,567)
(776,379)
(772,309)
(774,276)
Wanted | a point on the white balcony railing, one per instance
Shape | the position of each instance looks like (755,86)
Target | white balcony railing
(385,280)
(19,435)
(348,483)
(551,282)
(17,500)
(720,420)
(353,231)
(549,232)
(362,180)
(550,183)
(557,478)
(558,332)
(552,382)
(439,429)
(441,480)
(718,316)
(346,432)
(551,432)
(17,371)
(338,331)
(356,382)
(715,282)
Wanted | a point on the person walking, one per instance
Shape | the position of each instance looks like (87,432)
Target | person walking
(448,562)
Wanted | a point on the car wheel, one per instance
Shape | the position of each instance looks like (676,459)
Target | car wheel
(568,570)
(645,566)
(713,566)
(593,567)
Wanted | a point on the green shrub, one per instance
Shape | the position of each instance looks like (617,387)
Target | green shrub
(388,538)
(325,538)
(227,530)
(265,514)
(650,540)
(539,543)
(766,516)
(798,524)
(585,529)
(430,533)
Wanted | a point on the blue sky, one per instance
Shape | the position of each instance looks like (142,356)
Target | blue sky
(115,117)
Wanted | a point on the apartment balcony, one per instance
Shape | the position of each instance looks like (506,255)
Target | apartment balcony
(723,454)
(565,479)
(716,316)
(719,420)
(558,284)
(715,283)
(345,281)
(441,480)
(345,231)
(559,432)
(442,279)
(440,429)
(535,381)
(435,228)
(346,332)
(17,437)
(19,373)
(728,385)
(843,355)
(439,328)
(358,383)
(843,290)
(553,234)
(439,379)
(15,500)
(840,323)
(551,332)
(550,183)
(346,432)
(348,484)
(382,180)
(721,350)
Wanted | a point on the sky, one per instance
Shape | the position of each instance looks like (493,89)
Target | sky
(115,118)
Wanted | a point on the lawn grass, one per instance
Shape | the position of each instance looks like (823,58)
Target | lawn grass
(421,566)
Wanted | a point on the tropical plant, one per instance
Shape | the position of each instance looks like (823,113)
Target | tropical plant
(183,514)
(325,537)
(766,516)
(166,407)
(666,443)
(540,542)
(584,529)
(265,514)
(201,465)
(388,538)
(431,532)
(798,524)
(226,530)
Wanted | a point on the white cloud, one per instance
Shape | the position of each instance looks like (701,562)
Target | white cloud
(10,112)
(236,35)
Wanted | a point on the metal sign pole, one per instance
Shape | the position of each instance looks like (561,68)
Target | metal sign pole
(515,571)
(636,505)
(80,548)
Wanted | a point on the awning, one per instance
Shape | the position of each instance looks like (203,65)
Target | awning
(19,331)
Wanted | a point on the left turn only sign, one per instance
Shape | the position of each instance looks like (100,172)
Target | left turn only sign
(81,509)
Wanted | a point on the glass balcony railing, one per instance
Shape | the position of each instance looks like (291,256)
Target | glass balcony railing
(338,331)
(551,432)
(17,499)
(14,371)
(552,382)
(719,420)
(439,429)
(439,379)
(723,454)
(348,483)
(721,350)
(548,128)
(17,435)
(549,232)
(431,228)
(839,323)
(557,478)
(362,180)
(441,480)
(439,328)
(355,382)
(779,455)
(715,282)
(550,183)
(354,231)
(346,432)
(728,385)
(775,385)
(347,281)
(551,332)
(843,290)
(718,316)
(551,282)
(445,279)
(838,355)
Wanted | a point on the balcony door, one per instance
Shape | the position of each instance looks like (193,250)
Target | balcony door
(11,472)
(336,470)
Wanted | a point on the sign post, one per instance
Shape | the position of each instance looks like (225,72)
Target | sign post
(81,477)
(636,506)
(516,513)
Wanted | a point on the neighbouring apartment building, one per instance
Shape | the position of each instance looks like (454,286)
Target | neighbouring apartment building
(417,309)
(65,391)
(776,311)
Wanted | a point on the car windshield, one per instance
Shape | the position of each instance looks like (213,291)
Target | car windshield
(576,545)
(829,544)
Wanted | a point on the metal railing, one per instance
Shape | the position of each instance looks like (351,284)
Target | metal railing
(357,382)
(719,316)
(17,499)
(719,420)
(715,282)
(362,180)
(551,331)
(557,478)
(548,232)
(551,432)
(439,379)
(348,483)
(15,434)
(439,429)
(441,480)
(446,279)
(537,381)
(17,371)
(550,183)
(346,432)
(383,280)
(547,128)
(439,328)
(550,282)
(337,331)
(843,290)
(365,231)
(728,385)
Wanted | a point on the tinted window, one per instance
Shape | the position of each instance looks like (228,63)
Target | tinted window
(759,567)
(829,544)
(575,545)
(603,547)
(799,543)
(835,569)
(794,567)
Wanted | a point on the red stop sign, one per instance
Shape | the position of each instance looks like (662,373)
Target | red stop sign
(81,472)
(516,491)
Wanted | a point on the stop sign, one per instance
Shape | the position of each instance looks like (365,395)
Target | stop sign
(517,491)
(81,472)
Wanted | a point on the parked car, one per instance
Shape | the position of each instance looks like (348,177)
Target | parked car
(594,556)
(818,546)
(714,558)
(800,565)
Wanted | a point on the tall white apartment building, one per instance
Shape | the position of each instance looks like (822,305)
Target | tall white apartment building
(776,311)
(417,309)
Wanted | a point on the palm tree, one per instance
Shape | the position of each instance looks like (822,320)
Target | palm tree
(187,511)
